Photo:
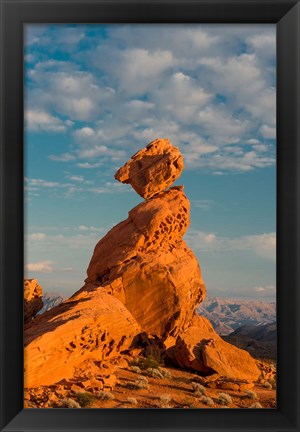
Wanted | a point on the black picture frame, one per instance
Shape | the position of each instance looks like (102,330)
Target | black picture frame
(286,14)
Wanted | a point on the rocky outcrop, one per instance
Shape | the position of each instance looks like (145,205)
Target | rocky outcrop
(96,326)
(199,348)
(152,169)
(145,263)
(33,302)
(143,283)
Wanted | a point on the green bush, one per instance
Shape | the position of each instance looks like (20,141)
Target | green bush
(148,362)
(85,399)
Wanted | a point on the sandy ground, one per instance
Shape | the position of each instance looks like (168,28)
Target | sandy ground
(176,391)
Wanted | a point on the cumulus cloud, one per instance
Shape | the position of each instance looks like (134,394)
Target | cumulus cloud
(40,267)
(36,120)
(208,88)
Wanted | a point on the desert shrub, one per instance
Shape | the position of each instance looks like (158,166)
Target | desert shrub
(138,384)
(132,401)
(142,379)
(164,401)
(267,385)
(85,399)
(135,369)
(198,389)
(105,395)
(69,403)
(256,405)
(148,362)
(165,373)
(250,394)
(224,399)
(153,352)
(154,373)
(189,403)
(207,400)
(272,381)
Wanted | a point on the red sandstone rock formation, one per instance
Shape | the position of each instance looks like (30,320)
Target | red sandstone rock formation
(142,277)
(32,298)
(152,169)
(145,263)
(96,326)
(201,349)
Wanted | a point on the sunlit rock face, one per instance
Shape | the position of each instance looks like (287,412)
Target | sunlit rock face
(142,279)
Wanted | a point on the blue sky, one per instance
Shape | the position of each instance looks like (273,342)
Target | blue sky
(95,94)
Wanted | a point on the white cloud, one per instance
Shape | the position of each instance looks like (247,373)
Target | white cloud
(36,236)
(84,132)
(268,132)
(264,289)
(41,183)
(208,88)
(88,228)
(65,157)
(262,245)
(36,120)
(203,204)
(88,165)
(135,70)
(76,178)
(40,267)
(72,93)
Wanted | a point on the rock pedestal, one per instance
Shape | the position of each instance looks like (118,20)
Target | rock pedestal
(142,278)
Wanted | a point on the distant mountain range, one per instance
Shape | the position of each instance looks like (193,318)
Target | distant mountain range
(50,300)
(227,315)
(259,340)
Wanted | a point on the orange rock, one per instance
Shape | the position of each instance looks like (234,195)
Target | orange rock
(109,381)
(200,348)
(152,169)
(92,384)
(144,262)
(32,298)
(97,327)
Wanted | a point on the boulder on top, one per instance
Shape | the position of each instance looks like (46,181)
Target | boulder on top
(152,169)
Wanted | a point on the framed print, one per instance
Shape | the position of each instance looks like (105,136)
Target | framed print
(149,218)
